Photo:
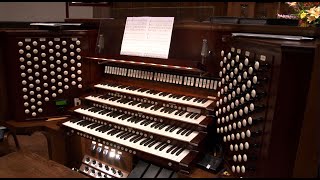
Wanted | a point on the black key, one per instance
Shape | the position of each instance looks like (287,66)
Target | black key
(180,130)
(157,107)
(131,119)
(152,143)
(174,128)
(155,124)
(196,99)
(169,127)
(182,113)
(197,116)
(103,129)
(122,117)
(185,98)
(180,151)
(75,120)
(132,139)
(159,145)
(94,125)
(193,115)
(172,110)
(204,101)
(148,142)
(104,112)
(138,139)
(162,126)
(159,125)
(105,97)
(123,135)
(164,146)
(120,134)
(189,132)
(147,123)
(128,136)
(184,131)
(143,121)
(133,103)
(176,113)
(200,100)
(137,120)
(170,149)
(189,98)
(175,150)
(189,114)
(114,130)
(144,141)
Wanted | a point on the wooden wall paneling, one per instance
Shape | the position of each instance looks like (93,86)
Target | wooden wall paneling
(241,9)
(3,89)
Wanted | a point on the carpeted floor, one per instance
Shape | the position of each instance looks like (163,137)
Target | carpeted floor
(35,143)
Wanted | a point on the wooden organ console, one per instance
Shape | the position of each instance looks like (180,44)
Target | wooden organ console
(148,117)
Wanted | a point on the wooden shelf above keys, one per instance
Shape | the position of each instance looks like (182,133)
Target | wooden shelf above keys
(151,64)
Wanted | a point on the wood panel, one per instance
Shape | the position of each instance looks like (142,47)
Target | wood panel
(30,165)
(198,11)
(307,160)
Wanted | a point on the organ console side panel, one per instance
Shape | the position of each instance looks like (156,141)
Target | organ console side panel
(308,153)
(44,70)
(3,100)
(281,80)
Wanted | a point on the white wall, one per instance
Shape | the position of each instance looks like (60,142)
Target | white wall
(41,11)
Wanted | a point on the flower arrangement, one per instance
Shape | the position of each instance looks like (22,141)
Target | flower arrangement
(308,13)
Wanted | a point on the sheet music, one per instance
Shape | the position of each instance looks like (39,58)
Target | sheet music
(147,37)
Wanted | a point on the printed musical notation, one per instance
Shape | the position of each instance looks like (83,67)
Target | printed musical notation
(147,37)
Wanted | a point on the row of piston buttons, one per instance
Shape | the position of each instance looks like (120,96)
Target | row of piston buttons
(103,167)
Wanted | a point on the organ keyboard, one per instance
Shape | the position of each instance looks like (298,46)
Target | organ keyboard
(159,111)
(158,95)
(145,120)
(140,123)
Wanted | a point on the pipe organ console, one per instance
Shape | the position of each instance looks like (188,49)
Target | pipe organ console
(160,117)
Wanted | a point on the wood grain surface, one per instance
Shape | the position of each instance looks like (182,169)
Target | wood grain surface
(23,164)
